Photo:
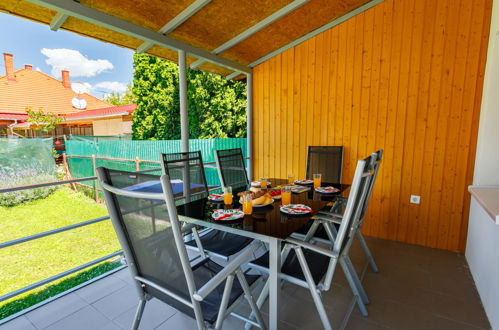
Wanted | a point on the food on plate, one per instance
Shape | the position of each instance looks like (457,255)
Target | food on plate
(255,189)
(258,198)
(275,193)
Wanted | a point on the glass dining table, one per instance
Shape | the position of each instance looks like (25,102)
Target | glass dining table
(267,224)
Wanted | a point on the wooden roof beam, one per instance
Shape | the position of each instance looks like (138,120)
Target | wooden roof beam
(99,18)
(254,29)
(176,21)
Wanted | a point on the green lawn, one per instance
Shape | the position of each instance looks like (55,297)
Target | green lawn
(33,261)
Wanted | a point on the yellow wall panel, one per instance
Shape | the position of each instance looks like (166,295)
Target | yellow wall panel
(404,76)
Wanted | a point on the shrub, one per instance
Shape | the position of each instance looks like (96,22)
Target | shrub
(25,162)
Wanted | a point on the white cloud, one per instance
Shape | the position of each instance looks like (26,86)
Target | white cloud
(38,69)
(72,60)
(110,86)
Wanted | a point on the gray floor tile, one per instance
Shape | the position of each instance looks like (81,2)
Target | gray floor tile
(101,288)
(84,319)
(178,321)
(155,313)
(56,310)
(417,288)
(117,302)
(19,323)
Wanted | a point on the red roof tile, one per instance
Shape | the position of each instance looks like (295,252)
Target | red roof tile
(37,90)
(104,112)
(13,116)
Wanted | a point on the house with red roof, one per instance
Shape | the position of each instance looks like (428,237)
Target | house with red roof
(32,89)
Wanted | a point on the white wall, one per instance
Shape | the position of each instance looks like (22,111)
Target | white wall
(482,254)
(482,246)
(487,155)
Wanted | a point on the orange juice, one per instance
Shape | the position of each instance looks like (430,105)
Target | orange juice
(263,184)
(247,207)
(317,180)
(291,178)
(228,199)
(285,197)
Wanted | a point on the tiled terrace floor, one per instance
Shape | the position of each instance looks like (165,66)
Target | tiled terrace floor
(417,288)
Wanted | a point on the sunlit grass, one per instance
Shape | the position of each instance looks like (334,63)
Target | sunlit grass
(35,260)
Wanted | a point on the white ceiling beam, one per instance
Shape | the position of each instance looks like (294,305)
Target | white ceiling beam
(176,21)
(323,28)
(232,75)
(254,29)
(96,17)
(57,21)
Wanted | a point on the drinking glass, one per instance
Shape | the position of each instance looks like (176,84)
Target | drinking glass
(291,178)
(263,183)
(227,195)
(286,195)
(317,180)
(247,204)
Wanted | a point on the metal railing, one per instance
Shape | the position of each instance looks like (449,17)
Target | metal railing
(64,229)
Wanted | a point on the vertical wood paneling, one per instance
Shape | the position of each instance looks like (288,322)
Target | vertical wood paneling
(405,76)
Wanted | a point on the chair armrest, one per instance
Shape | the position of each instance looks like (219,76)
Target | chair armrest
(231,267)
(312,247)
(331,217)
(187,227)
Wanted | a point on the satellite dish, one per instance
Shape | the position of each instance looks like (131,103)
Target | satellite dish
(79,103)
(79,87)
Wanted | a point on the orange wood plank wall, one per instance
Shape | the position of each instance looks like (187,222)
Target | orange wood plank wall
(405,76)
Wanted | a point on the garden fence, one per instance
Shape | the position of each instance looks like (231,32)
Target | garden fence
(85,153)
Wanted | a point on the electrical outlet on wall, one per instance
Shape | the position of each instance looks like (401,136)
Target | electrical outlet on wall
(415,199)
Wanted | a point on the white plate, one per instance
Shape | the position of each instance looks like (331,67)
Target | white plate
(236,214)
(324,190)
(258,183)
(305,181)
(288,209)
(216,197)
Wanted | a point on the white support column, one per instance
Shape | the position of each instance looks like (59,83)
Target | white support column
(184,120)
(249,122)
(184,117)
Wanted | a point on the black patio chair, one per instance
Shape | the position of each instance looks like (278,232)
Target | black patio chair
(150,235)
(188,169)
(312,266)
(231,169)
(326,160)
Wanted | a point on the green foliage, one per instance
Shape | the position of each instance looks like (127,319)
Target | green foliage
(121,99)
(217,107)
(42,121)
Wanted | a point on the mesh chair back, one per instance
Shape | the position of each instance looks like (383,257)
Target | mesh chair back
(187,167)
(378,155)
(353,210)
(326,160)
(231,170)
(149,232)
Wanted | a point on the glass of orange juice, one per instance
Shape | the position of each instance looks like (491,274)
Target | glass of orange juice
(247,204)
(317,180)
(286,195)
(263,183)
(227,195)
(291,178)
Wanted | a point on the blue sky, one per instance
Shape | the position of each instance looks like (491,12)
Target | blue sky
(105,67)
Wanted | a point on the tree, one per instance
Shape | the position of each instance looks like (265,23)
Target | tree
(217,107)
(42,121)
(121,99)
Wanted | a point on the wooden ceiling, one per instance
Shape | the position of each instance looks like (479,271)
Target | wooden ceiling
(213,24)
